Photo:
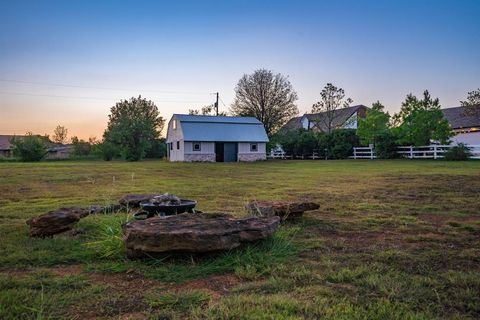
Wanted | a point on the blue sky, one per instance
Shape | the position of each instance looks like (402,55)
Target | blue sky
(179,52)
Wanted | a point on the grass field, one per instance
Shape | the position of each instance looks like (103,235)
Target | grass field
(391,240)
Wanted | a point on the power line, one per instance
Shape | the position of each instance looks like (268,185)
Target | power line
(98,88)
(222,102)
(86,98)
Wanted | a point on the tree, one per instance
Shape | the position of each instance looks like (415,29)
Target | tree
(133,125)
(30,147)
(421,121)
(206,111)
(331,99)
(60,134)
(106,150)
(157,150)
(266,96)
(373,125)
(472,103)
(81,148)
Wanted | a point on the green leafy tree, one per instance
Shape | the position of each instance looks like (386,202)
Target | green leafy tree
(81,148)
(106,150)
(266,96)
(30,147)
(421,121)
(332,98)
(386,145)
(157,149)
(472,103)
(133,126)
(373,125)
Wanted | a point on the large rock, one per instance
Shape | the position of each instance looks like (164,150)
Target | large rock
(194,233)
(283,209)
(56,221)
(133,200)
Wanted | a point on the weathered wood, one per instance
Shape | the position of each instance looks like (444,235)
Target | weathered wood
(194,233)
(283,209)
(56,221)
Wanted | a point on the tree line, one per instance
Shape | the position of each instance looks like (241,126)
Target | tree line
(134,125)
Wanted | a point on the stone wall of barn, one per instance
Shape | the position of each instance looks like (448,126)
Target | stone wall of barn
(246,154)
(252,156)
(199,157)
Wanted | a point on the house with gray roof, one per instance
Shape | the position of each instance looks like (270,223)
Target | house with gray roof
(343,118)
(193,138)
(465,122)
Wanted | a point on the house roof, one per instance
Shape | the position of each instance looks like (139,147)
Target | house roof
(5,141)
(220,128)
(459,117)
(340,116)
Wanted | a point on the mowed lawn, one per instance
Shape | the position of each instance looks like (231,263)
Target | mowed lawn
(391,240)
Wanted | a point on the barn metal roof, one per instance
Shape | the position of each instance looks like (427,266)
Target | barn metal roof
(222,129)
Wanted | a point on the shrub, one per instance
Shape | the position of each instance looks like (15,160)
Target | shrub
(458,153)
(386,146)
(81,148)
(107,150)
(157,149)
(338,144)
(335,145)
(296,142)
(30,148)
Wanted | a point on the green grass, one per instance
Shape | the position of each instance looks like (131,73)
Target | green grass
(391,240)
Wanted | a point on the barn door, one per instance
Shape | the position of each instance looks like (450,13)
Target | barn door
(230,152)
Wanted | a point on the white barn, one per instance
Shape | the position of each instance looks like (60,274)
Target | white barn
(193,138)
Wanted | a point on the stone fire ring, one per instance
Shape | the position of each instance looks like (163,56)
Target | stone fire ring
(194,233)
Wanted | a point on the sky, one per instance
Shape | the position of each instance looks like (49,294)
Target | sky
(68,62)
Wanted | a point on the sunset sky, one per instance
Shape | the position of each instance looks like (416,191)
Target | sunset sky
(68,62)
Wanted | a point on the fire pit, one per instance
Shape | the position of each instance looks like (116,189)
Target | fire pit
(165,205)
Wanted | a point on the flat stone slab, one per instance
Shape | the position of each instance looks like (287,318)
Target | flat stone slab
(283,209)
(133,200)
(194,233)
(56,221)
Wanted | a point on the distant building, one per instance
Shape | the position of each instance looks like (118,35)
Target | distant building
(62,151)
(6,146)
(54,151)
(193,138)
(465,123)
(343,118)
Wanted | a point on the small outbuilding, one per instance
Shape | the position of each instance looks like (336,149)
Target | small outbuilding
(193,138)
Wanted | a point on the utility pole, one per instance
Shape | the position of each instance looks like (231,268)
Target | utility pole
(216,106)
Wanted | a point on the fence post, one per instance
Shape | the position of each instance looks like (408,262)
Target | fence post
(371,153)
(411,152)
(435,152)
(354,153)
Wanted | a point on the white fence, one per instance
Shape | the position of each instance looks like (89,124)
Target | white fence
(364,153)
(411,152)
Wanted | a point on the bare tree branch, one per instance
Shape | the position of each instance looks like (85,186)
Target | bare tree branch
(267,96)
